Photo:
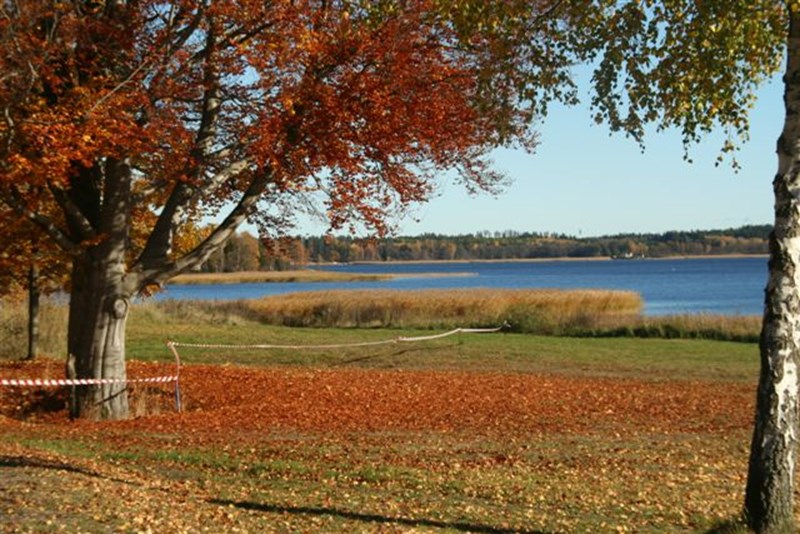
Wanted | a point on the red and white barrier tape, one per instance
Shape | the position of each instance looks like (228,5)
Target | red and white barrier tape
(44,382)
(47,382)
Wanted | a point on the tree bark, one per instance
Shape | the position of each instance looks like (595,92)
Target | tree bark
(98,311)
(769,497)
(99,299)
(33,311)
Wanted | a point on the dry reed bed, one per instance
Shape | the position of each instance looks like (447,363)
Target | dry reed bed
(541,311)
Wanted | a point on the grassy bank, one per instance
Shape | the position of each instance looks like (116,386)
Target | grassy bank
(550,313)
(742,328)
(235,323)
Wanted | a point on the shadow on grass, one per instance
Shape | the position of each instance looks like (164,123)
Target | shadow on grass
(731,526)
(370,518)
(394,354)
(38,463)
(55,465)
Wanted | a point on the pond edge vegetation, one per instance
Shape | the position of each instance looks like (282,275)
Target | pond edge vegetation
(565,313)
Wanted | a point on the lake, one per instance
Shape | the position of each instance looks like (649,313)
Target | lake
(727,286)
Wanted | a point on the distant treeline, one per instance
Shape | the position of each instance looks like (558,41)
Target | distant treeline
(245,252)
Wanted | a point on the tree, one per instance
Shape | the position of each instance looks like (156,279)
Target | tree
(126,118)
(695,66)
(27,267)
(297,252)
(116,110)
(240,253)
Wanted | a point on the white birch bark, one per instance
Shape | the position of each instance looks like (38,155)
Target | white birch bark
(769,500)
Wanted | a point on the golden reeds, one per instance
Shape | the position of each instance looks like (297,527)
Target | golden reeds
(542,311)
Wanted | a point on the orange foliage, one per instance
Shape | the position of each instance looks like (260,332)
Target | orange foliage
(323,96)
(124,126)
(127,125)
(20,248)
(294,447)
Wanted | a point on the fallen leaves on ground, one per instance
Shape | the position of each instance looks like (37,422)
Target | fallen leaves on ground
(296,449)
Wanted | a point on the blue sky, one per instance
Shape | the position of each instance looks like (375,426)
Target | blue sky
(582,181)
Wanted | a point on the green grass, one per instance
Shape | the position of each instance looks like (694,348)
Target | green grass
(421,482)
(564,314)
(632,357)
(126,480)
(152,324)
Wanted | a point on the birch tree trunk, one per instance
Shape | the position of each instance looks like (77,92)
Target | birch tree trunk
(769,495)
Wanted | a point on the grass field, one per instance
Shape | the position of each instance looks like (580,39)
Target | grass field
(474,433)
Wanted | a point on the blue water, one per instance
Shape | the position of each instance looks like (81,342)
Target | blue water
(728,286)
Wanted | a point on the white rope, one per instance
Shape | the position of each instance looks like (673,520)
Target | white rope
(173,344)
(46,382)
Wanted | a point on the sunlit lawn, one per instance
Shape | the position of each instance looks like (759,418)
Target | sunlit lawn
(351,461)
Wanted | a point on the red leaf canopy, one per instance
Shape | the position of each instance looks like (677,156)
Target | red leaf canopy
(263,106)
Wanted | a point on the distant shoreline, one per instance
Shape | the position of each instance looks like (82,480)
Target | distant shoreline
(541,260)
(313,272)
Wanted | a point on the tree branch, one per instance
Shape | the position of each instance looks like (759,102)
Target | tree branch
(213,242)
(73,213)
(13,200)
(159,244)
(215,181)
(115,89)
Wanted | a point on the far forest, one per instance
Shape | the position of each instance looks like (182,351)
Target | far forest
(244,252)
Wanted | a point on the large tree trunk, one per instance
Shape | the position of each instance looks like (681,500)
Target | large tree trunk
(98,311)
(99,300)
(769,496)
